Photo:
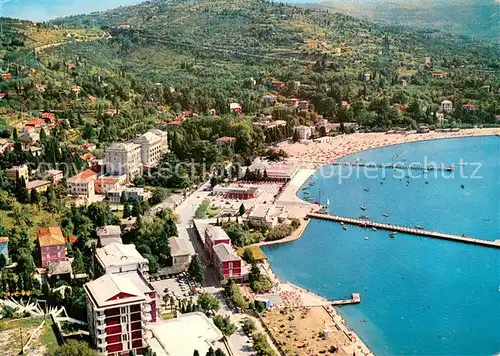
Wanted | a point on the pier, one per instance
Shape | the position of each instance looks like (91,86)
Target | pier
(406,230)
(396,166)
(355,299)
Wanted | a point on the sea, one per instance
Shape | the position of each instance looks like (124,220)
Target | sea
(420,296)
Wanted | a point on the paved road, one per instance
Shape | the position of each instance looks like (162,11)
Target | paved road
(240,344)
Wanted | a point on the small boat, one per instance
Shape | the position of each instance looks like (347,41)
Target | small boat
(462,186)
(426,182)
(386,215)
(419,227)
(364,217)
(374,228)
(366,189)
(363,207)
(366,237)
(392,234)
(306,193)
(344,227)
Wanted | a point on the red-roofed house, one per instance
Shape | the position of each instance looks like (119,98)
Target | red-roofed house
(49,116)
(294,101)
(2,95)
(36,123)
(6,76)
(439,75)
(226,139)
(277,84)
(52,245)
(175,123)
(235,108)
(401,107)
(470,107)
(82,183)
(187,114)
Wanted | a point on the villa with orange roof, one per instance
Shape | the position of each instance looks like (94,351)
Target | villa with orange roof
(82,183)
(52,245)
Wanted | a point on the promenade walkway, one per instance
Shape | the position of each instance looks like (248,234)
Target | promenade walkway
(406,230)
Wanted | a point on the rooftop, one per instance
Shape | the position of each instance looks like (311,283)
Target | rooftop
(51,236)
(117,254)
(113,289)
(226,139)
(53,172)
(147,137)
(183,335)
(123,146)
(36,184)
(216,233)
(60,267)
(108,230)
(180,246)
(225,253)
(85,175)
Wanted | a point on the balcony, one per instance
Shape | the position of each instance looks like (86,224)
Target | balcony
(101,326)
(100,317)
(146,308)
(146,317)
(101,343)
(101,336)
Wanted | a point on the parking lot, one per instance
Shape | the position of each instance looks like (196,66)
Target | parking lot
(179,287)
(267,192)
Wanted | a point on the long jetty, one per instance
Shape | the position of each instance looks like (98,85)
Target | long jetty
(396,166)
(406,230)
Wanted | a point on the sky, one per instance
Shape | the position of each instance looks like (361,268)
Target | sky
(42,10)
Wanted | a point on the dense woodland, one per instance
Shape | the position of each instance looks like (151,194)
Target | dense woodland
(146,65)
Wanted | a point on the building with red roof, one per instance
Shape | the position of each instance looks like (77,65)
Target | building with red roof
(52,245)
(82,183)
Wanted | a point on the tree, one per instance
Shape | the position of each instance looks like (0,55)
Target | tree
(158,195)
(210,352)
(196,353)
(219,352)
(35,196)
(74,348)
(149,352)
(214,181)
(3,261)
(78,266)
(196,269)
(248,326)
(127,210)
(242,209)
(208,302)
(224,324)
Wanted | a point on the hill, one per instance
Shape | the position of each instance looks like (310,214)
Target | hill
(475,19)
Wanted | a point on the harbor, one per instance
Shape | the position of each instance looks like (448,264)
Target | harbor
(404,229)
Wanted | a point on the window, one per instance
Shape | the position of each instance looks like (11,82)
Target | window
(124,319)
(124,337)
(123,310)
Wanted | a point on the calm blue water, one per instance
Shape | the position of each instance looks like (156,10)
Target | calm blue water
(420,296)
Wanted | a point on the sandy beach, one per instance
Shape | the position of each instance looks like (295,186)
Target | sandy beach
(314,154)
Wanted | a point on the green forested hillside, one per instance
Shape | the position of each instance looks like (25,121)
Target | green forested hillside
(476,19)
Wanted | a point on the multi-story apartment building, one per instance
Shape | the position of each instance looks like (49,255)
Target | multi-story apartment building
(82,183)
(154,144)
(123,158)
(119,306)
(214,235)
(222,254)
(227,262)
(52,245)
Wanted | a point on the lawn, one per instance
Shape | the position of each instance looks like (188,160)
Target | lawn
(38,218)
(15,332)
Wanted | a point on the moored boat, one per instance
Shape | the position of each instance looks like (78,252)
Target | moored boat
(364,217)
(363,207)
